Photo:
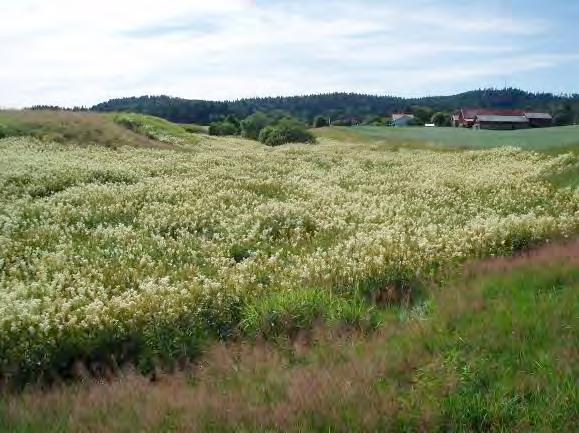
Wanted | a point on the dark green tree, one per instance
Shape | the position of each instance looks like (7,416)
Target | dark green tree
(440,119)
(564,115)
(422,115)
(320,122)
(252,125)
(223,128)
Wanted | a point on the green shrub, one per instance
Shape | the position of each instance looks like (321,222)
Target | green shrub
(222,128)
(320,122)
(287,130)
(440,119)
(6,131)
(252,125)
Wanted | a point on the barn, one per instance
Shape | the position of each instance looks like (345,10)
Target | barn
(539,120)
(501,121)
(491,119)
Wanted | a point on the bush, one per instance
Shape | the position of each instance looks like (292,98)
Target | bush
(223,128)
(320,122)
(287,130)
(440,119)
(252,125)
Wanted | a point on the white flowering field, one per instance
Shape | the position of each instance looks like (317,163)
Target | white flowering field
(142,254)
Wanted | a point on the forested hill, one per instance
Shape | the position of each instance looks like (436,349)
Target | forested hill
(337,105)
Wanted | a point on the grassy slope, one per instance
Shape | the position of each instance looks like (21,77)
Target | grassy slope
(158,129)
(495,351)
(109,130)
(550,140)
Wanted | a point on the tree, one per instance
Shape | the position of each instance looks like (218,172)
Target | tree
(222,128)
(422,115)
(564,116)
(252,125)
(287,130)
(320,122)
(440,119)
(234,121)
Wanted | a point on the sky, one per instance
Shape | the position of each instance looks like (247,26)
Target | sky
(77,52)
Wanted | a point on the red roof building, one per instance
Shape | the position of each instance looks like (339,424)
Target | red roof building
(500,119)
(467,117)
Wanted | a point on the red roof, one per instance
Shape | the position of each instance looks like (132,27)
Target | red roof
(470,113)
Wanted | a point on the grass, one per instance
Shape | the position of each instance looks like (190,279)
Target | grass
(108,130)
(158,129)
(493,350)
(68,127)
(566,178)
(548,140)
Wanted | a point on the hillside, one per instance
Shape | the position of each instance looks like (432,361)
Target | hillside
(336,105)
(108,130)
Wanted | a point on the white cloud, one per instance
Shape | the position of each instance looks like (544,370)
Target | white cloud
(72,52)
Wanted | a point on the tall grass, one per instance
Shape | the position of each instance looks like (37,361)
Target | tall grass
(142,256)
(496,351)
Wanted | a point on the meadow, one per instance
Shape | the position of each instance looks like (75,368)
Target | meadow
(143,253)
(133,254)
(549,140)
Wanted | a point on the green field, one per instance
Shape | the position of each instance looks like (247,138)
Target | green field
(360,267)
(551,140)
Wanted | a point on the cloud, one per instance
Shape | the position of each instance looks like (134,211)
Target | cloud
(69,52)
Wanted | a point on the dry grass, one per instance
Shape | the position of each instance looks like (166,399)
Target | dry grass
(566,253)
(74,127)
(412,375)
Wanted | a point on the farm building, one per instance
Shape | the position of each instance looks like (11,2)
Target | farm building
(455,120)
(507,122)
(500,119)
(402,119)
(539,120)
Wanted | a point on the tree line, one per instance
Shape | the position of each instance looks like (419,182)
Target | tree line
(347,108)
